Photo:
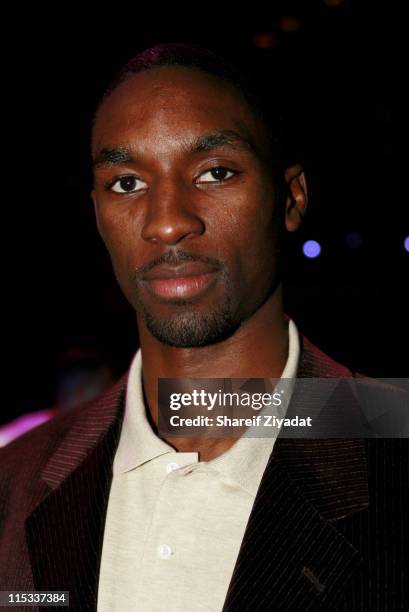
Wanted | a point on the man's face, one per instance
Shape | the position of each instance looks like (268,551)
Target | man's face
(185,203)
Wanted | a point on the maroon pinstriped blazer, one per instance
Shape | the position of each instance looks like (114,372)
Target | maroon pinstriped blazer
(326,532)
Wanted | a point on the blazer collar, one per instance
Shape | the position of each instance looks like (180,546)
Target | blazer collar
(64,531)
(88,431)
(322,467)
(306,459)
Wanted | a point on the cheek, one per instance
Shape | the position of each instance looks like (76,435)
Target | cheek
(252,241)
(118,236)
(247,224)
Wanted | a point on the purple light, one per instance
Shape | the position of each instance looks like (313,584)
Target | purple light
(311,249)
(406,243)
(21,424)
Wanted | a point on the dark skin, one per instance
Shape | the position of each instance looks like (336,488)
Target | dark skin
(174,203)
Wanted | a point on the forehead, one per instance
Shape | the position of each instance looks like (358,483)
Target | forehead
(169,103)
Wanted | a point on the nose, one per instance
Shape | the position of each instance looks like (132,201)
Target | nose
(171,216)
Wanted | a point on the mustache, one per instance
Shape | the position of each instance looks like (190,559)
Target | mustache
(174,258)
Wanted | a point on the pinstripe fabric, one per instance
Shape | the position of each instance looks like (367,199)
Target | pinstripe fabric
(326,531)
(54,488)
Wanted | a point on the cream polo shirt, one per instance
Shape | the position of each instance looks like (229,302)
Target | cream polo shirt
(175,524)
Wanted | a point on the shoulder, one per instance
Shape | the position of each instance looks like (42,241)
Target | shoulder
(25,456)
(315,363)
(21,464)
(29,464)
(380,405)
(31,451)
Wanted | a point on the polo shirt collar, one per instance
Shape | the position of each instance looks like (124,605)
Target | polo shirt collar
(243,463)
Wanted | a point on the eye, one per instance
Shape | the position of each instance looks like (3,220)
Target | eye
(219,174)
(127,184)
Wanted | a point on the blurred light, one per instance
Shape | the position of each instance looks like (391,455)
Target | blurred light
(14,429)
(264,40)
(354,240)
(406,243)
(289,24)
(311,249)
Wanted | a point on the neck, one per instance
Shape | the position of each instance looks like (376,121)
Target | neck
(258,349)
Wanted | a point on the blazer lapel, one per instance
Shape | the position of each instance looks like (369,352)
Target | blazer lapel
(65,530)
(292,556)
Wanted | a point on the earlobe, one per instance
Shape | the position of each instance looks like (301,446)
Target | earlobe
(297,199)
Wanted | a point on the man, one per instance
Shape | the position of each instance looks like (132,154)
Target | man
(191,205)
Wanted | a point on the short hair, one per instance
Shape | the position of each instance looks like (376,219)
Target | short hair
(207,60)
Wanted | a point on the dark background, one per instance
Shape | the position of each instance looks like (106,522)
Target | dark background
(338,66)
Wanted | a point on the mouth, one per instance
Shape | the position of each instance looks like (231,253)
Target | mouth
(183,282)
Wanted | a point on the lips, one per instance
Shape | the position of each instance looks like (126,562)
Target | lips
(184,281)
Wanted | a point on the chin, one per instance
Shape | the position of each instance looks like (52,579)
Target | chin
(192,329)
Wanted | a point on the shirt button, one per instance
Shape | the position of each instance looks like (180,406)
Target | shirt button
(171,466)
(164,551)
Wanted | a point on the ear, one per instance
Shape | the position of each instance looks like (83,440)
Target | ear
(297,199)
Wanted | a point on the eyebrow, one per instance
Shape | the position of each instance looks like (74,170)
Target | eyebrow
(207,142)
